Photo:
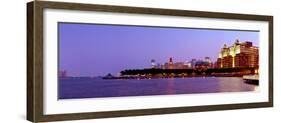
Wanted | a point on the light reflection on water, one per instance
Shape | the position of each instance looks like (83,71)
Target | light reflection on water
(170,87)
(92,88)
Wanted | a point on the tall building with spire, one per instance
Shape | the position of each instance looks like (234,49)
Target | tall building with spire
(171,63)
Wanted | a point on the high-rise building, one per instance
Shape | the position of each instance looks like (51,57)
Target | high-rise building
(208,60)
(62,73)
(238,55)
(193,63)
(187,64)
(171,63)
(179,65)
(153,63)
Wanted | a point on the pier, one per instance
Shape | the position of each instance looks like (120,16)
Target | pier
(251,79)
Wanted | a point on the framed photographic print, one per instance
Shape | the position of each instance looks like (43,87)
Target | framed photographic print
(90,61)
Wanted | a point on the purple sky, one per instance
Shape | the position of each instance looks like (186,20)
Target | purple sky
(96,50)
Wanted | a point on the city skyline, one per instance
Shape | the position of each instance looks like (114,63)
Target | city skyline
(96,50)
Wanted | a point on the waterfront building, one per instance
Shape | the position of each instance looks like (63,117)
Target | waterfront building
(193,62)
(63,74)
(174,65)
(208,60)
(242,54)
(187,64)
(158,65)
(153,63)
(179,65)
(183,65)
(170,63)
(202,64)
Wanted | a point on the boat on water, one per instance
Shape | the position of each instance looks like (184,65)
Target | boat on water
(251,79)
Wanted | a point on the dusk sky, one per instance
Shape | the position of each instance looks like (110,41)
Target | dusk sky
(96,50)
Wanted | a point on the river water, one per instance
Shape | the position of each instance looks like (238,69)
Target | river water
(71,88)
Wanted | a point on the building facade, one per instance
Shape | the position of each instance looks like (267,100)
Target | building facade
(63,74)
(193,64)
(242,54)
(174,65)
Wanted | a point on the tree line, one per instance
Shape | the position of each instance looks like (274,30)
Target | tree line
(154,71)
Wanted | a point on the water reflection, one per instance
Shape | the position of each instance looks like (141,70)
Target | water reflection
(233,84)
(170,86)
(92,88)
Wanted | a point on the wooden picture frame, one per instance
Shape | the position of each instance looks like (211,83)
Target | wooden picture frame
(35,60)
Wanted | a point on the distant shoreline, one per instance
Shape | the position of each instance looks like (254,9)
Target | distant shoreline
(142,77)
(135,77)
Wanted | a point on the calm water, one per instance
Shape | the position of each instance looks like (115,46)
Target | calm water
(92,88)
